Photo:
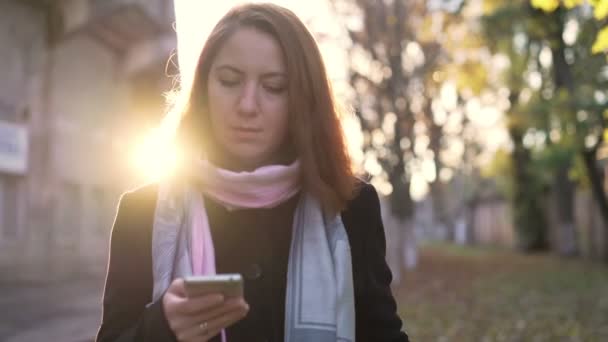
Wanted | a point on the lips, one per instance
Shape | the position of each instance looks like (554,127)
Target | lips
(245,133)
(247,129)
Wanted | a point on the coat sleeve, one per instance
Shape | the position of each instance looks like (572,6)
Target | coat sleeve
(378,317)
(128,315)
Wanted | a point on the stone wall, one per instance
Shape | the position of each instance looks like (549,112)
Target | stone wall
(77,103)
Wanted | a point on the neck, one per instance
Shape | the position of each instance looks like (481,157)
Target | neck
(224,161)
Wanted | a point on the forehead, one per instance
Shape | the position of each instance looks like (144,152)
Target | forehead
(250,49)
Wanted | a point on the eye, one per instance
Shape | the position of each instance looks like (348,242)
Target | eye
(229,83)
(275,89)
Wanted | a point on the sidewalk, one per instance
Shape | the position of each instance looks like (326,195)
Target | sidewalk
(68,311)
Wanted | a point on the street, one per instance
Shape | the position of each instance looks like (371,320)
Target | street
(68,311)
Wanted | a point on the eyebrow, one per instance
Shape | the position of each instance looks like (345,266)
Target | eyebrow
(238,71)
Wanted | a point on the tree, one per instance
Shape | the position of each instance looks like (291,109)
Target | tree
(556,87)
(376,75)
(505,38)
(600,12)
(400,66)
(391,70)
(579,78)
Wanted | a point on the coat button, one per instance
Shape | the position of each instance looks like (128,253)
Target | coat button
(253,272)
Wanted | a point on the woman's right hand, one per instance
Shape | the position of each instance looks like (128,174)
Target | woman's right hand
(201,318)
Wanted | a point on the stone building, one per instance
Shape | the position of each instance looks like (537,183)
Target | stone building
(80,80)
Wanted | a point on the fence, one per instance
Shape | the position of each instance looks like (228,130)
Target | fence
(491,224)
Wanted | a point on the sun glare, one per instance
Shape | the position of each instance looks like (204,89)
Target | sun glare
(154,156)
(195,20)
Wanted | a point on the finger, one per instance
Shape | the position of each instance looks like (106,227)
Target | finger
(195,305)
(224,317)
(228,306)
(189,306)
(216,325)
(197,332)
(192,333)
(188,321)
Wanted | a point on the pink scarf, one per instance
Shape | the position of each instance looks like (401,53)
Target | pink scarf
(265,187)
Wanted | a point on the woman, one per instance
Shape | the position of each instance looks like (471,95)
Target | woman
(270,195)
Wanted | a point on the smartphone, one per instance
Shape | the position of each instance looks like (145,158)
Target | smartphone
(230,285)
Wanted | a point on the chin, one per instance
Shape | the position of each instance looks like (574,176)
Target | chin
(248,158)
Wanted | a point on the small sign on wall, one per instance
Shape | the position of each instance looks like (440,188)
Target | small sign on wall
(13,148)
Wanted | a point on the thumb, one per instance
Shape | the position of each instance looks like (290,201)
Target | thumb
(177,287)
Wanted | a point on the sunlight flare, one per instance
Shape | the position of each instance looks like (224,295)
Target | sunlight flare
(155,156)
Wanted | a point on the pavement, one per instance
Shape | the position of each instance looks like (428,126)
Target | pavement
(62,311)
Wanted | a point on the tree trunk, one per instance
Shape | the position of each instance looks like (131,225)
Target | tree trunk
(563,187)
(563,204)
(437,189)
(470,209)
(401,246)
(528,211)
(402,205)
(529,216)
(401,219)
(597,189)
(440,217)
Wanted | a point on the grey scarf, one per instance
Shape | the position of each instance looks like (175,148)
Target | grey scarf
(319,304)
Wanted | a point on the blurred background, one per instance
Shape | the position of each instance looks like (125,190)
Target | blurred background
(481,122)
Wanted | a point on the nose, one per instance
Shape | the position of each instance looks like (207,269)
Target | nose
(248,100)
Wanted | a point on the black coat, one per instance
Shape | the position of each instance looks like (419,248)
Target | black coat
(261,256)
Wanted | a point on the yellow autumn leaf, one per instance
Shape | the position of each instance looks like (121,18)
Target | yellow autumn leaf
(546,5)
(573,3)
(600,9)
(490,6)
(601,42)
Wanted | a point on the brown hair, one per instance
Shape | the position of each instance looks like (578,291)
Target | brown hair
(314,126)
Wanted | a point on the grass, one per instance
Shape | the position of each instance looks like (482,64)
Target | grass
(473,294)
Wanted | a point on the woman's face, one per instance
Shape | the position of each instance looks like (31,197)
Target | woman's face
(248,100)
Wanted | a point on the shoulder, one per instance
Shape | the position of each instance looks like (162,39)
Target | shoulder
(131,230)
(365,199)
(362,214)
(138,203)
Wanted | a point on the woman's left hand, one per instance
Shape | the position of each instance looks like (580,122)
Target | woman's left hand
(213,322)
(200,318)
